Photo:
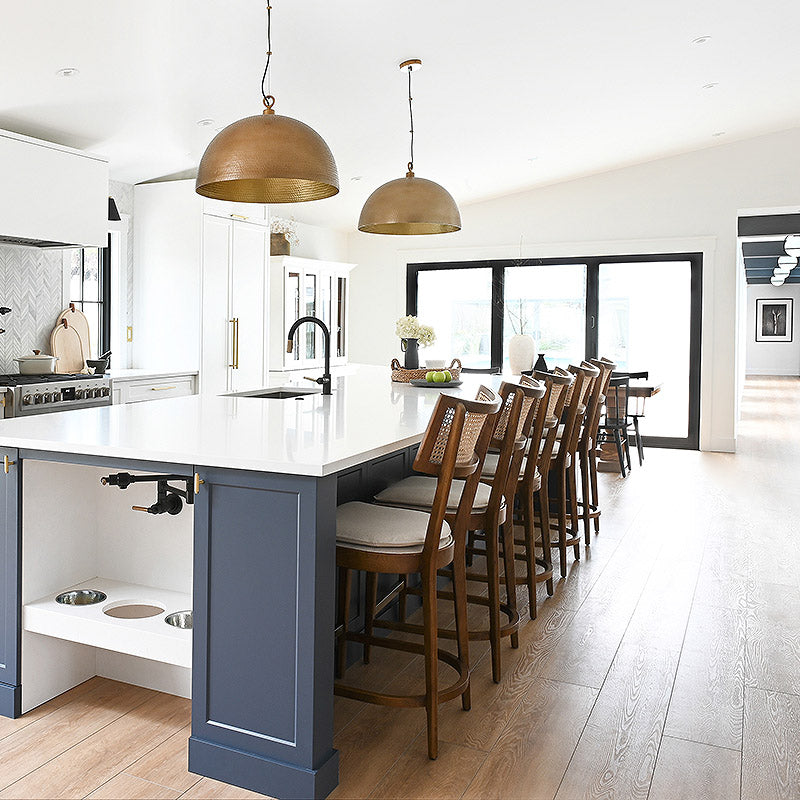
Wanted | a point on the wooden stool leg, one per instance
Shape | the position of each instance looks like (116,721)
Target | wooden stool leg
(470,548)
(430,623)
(510,572)
(369,610)
(562,522)
(493,574)
(401,604)
(345,586)
(544,519)
(573,508)
(593,479)
(462,629)
(530,550)
(586,496)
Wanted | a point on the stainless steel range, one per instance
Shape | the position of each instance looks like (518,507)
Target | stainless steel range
(27,395)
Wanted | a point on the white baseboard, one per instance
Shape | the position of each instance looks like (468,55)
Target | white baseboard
(720,444)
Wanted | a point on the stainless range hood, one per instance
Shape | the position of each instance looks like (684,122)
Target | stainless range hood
(52,196)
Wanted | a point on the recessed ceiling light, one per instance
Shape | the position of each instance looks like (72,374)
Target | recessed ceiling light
(205,123)
(356,178)
(712,85)
(701,40)
(68,72)
(533,158)
(718,133)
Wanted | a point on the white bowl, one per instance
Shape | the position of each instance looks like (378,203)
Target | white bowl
(435,363)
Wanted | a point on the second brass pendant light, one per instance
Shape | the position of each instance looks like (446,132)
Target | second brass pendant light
(410,205)
(267,158)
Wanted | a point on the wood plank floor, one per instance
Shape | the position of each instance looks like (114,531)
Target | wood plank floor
(666,666)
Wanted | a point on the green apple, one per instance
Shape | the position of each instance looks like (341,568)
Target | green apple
(429,376)
(448,375)
(439,377)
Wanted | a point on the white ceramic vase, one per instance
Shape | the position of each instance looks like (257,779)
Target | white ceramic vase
(521,353)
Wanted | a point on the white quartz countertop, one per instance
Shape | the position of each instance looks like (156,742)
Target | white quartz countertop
(140,374)
(366,416)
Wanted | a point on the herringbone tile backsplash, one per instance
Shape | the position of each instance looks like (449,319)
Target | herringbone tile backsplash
(31,286)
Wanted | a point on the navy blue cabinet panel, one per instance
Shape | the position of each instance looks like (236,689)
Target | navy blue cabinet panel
(10,582)
(262,683)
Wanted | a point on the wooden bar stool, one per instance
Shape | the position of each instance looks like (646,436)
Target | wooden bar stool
(379,539)
(563,483)
(587,448)
(488,515)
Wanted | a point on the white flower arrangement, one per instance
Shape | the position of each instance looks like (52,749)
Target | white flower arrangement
(411,328)
(288,227)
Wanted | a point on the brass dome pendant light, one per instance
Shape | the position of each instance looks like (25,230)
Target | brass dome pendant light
(267,158)
(410,206)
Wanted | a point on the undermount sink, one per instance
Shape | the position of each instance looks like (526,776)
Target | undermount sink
(277,394)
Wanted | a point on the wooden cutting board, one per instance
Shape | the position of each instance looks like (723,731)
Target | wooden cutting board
(66,344)
(77,319)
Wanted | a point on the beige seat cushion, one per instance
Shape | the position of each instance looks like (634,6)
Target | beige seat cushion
(417,491)
(490,465)
(381,528)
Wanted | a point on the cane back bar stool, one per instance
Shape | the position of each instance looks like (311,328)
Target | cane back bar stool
(563,482)
(488,515)
(378,539)
(587,448)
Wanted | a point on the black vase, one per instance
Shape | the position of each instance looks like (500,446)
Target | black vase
(411,348)
(541,364)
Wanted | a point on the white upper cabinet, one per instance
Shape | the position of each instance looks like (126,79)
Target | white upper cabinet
(301,287)
(53,195)
(200,286)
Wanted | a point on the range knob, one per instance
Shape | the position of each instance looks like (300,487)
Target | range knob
(37,398)
(92,392)
(27,400)
(55,397)
(105,391)
(80,394)
(45,398)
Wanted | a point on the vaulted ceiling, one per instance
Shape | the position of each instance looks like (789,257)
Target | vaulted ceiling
(512,94)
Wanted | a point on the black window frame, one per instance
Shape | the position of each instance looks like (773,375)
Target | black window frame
(104,293)
(499,266)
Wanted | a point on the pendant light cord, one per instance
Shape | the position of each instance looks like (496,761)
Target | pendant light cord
(411,117)
(269,100)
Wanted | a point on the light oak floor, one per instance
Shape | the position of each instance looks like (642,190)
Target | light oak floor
(666,666)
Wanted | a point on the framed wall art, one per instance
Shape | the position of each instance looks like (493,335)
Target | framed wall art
(774,320)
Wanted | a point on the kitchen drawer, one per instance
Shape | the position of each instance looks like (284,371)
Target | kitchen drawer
(252,212)
(151,389)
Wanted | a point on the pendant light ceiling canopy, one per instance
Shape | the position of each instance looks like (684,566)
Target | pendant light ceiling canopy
(267,158)
(410,205)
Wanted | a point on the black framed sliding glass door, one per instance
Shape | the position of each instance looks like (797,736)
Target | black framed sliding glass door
(642,311)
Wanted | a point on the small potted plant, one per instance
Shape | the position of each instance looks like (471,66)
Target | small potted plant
(283,234)
(413,335)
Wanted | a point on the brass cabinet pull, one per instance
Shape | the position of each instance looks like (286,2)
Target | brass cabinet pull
(197,481)
(236,342)
(7,464)
(162,388)
(232,365)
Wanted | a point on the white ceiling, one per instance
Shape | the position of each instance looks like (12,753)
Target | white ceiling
(580,86)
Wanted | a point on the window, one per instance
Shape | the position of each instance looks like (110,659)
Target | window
(644,311)
(90,290)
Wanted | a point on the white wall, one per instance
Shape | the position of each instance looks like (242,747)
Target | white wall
(324,244)
(669,204)
(772,358)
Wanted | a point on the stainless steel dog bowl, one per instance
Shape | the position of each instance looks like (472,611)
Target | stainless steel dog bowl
(180,619)
(81,597)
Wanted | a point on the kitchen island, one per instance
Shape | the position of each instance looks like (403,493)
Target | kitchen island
(252,553)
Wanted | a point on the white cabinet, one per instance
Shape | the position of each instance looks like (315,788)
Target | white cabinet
(235,287)
(135,386)
(302,287)
(200,286)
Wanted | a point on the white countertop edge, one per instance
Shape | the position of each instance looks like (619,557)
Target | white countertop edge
(252,464)
(144,374)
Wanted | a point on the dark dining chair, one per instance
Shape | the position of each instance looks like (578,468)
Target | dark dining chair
(615,424)
(636,412)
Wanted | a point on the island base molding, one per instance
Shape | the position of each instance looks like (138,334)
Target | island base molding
(10,700)
(259,774)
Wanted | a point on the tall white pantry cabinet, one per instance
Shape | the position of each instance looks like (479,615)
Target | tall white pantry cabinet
(201,293)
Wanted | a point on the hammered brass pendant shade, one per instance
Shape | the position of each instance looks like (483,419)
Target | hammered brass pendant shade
(410,206)
(267,158)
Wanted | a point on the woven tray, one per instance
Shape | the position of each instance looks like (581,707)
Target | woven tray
(402,375)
